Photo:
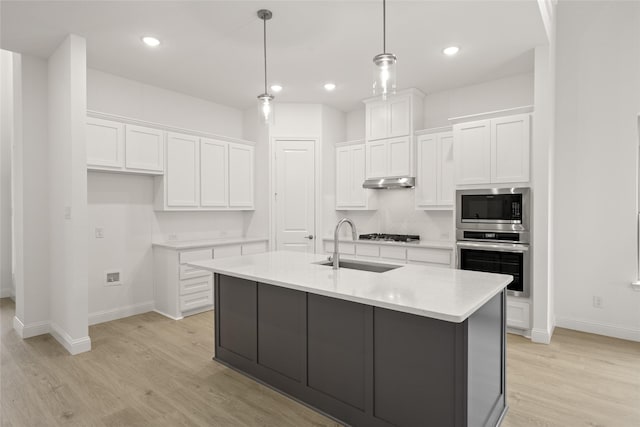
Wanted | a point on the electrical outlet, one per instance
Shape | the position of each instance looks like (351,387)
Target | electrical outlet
(67,212)
(112,278)
(597,301)
(99,232)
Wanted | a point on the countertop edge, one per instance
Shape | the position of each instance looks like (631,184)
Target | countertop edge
(207,243)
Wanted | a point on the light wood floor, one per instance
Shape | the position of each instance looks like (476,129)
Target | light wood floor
(148,370)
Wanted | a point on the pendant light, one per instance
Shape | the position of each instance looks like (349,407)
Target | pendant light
(384,72)
(265,100)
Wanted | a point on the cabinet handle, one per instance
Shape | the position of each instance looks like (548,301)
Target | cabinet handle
(310,237)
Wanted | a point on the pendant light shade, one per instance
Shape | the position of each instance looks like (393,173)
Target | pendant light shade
(384,64)
(265,99)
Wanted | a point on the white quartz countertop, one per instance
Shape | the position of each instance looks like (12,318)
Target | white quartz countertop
(439,293)
(194,244)
(418,244)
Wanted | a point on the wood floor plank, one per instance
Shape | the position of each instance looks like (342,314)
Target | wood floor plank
(148,370)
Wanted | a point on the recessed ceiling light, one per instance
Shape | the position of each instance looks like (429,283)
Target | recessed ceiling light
(451,50)
(329,86)
(151,41)
(276,88)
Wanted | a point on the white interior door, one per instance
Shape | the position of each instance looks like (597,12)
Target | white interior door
(295,195)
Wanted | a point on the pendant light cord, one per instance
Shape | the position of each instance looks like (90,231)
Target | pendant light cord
(264,21)
(384,26)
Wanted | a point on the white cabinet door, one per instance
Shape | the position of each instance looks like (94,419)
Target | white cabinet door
(241,176)
(376,159)
(144,149)
(377,120)
(343,177)
(510,149)
(105,143)
(182,170)
(427,168)
(359,195)
(399,116)
(446,180)
(472,151)
(399,157)
(213,173)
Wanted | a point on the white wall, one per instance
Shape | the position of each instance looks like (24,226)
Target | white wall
(333,131)
(68,195)
(30,175)
(256,223)
(122,206)
(6,130)
(597,107)
(355,124)
(108,93)
(494,95)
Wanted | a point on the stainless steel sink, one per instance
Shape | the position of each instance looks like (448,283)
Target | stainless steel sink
(361,265)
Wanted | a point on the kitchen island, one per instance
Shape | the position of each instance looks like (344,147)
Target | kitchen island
(413,346)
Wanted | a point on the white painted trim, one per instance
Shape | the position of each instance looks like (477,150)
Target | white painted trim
(614,331)
(6,293)
(31,329)
(167,315)
(138,122)
(433,130)
(540,336)
(120,312)
(492,114)
(72,345)
(347,143)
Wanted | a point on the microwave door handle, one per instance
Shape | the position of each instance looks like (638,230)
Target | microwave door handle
(515,247)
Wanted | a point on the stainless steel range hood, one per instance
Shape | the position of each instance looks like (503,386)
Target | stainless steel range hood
(390,183)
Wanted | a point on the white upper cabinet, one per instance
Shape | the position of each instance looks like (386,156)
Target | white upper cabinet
(119,147)
(350,174)
(144,149)
(241,159)
(389,133)
(492,151)
(435,173)
(510,140)
(214,187)
(206,174)
(183,168)
(105,144)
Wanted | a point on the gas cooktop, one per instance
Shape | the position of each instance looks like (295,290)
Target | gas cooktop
(390,237)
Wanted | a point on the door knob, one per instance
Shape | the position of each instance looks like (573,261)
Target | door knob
(310,237)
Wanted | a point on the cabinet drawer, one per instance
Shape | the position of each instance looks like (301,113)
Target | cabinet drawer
(254,248)
(199,284)
(428,255)
(393,252)
(368,251)
(197,300)
(198,255)
(345,248)
(187,272)
(227,251)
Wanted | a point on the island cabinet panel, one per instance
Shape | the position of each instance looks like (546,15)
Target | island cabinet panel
(281,337)
(336,344)
(238,325)
(415,383)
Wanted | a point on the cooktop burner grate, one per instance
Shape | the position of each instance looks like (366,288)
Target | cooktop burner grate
(390,237)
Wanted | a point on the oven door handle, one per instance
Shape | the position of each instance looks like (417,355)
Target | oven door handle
(500,247)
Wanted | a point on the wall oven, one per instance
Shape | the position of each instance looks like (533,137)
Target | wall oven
(492,233)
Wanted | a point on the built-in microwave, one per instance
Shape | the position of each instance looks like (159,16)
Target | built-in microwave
(499,209)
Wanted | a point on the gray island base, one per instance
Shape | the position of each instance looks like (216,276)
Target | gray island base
(361,364)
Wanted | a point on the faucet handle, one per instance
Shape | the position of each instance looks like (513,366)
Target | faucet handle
(330,258)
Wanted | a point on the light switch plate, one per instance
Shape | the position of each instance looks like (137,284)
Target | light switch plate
(99,232)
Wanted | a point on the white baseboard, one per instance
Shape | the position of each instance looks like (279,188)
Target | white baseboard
(541,336)
(120,312)
(6,293)
(614,331)
(166,315)
(73,346)
(31,329)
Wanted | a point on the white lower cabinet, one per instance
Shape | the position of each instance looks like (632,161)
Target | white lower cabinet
(181,290)
(437,257)
(518,314)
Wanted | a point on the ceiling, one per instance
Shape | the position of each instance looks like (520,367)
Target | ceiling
(213,49)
